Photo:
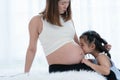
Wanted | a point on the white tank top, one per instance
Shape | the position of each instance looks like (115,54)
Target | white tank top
(53,37)
(115,70)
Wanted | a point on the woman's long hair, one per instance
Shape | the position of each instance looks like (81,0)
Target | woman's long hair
(51,12)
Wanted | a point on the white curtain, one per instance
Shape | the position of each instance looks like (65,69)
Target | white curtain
(100,15)
(14,36)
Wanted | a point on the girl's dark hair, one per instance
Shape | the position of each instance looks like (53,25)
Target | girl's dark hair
(51,12)
(93,37)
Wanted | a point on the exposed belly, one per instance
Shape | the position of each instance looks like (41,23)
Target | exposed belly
(70,53)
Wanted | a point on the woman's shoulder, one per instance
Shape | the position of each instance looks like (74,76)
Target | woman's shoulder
(36,19)
(36,22)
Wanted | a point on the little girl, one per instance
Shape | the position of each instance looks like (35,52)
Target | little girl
(93,44)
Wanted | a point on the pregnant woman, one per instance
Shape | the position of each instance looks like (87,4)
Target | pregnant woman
(55,30)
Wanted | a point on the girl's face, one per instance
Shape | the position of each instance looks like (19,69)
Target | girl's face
(63,5)
(84,45)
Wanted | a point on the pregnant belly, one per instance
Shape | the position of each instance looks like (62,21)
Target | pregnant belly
(70,53)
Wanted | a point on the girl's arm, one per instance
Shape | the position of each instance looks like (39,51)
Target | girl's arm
(103,66)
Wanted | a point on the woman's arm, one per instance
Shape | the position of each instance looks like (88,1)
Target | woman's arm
(35,27)
(81,51)
(76,39)
(75,36)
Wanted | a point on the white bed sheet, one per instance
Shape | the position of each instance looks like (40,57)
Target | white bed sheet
(69,75)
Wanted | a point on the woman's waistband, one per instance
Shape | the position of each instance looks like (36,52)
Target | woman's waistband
(68,67)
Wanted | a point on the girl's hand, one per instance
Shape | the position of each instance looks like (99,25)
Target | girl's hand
(108,47)
(86,61)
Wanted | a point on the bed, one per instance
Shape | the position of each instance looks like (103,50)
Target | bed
(69,75)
